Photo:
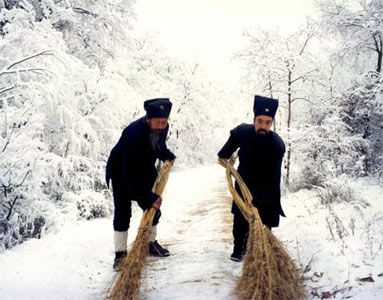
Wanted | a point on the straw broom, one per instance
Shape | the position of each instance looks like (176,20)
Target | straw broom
(268,271)
(127,282)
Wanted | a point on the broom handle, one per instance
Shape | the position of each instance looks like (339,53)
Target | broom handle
(248,210)
(244,189)
(243,206)
(158,188)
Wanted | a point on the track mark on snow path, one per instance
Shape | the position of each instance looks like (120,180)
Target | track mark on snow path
(200,242)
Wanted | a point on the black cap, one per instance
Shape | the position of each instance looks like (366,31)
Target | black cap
(265,106)
(158,108)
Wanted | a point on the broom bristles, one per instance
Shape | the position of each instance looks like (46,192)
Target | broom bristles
(268,271)
(127,282)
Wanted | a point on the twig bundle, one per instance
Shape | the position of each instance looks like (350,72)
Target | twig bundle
(127,282)
(268,271)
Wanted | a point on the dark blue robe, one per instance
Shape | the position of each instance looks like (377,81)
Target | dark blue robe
(260,161)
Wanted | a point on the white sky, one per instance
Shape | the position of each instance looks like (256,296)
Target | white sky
(211,30)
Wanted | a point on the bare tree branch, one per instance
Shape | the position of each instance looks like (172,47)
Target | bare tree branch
(311,35)
(25,177)
(24,70)
(9,139)
(81,10)
(299,98)
(303,76)
(11,207)
(8,89)
(45,52)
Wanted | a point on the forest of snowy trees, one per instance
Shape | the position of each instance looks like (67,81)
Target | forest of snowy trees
(73,74)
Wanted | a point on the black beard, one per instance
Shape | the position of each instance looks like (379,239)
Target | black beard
(262,138)
(154,139)
(261,132)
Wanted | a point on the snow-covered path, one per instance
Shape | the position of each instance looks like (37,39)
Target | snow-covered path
(198,233)
(76,262)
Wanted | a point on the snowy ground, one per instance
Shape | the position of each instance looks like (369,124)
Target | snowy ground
(196,227)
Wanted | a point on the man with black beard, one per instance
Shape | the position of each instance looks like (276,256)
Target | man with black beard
(131,167)
(260,159)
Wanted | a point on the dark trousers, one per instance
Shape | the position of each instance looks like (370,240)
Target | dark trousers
(240,232)
(123,212)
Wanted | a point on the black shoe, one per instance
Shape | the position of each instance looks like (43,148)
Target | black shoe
(237,256)
(120,255)
(157,250)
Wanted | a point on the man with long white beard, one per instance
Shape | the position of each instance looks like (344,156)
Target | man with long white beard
(260,159)
(131,167)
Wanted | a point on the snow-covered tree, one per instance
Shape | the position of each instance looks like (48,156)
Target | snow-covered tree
(358,23)
(362,109)
(71,80)
(358,28)
(92,30)
(51,154)
(279,66)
